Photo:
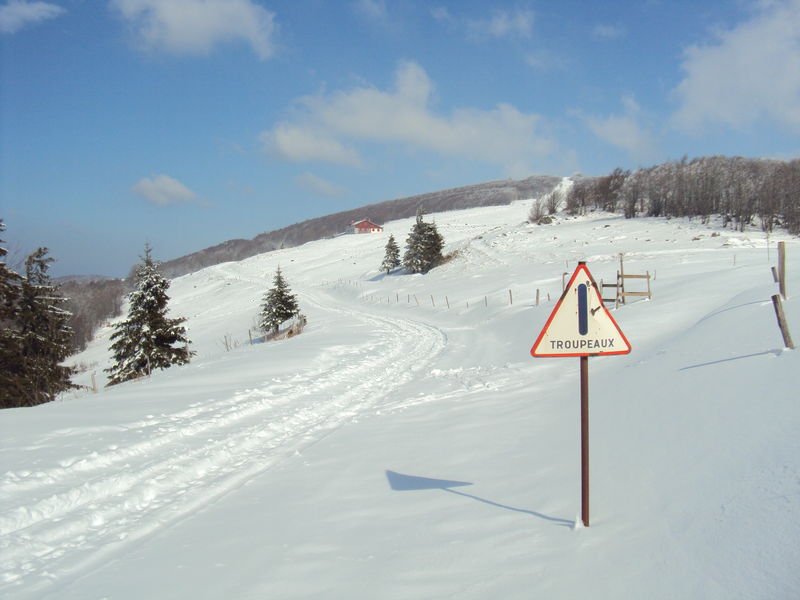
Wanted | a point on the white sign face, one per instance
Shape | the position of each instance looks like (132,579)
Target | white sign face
(580,325)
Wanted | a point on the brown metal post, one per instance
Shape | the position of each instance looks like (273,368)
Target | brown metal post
(585,440)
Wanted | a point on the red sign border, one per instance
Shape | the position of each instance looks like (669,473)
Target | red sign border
(580,267)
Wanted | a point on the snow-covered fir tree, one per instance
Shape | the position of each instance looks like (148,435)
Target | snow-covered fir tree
(40,334)
(391,259)
(148,340)
(423,246)
(11,382)
(279,304)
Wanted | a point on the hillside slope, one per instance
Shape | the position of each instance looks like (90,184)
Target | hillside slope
(490,193)
(408,446)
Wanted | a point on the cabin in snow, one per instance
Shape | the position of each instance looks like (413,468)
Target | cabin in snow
(365,226)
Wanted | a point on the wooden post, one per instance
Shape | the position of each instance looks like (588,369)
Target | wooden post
(433,302)
(486,301)
(782,268)
(787,337)
(585,440)
(621,279)
(537,296)
(510,298)
(447,300)
(775,277)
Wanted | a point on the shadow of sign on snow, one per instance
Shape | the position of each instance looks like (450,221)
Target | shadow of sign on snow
(724,360)
(404,483)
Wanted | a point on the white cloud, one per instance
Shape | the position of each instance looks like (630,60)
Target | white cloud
(372,9)
(196,26)
(302,143)
(440,13)
(748,74)
(163,190)
(625,131)
(502,135)
(607,32)
(17,14)
(544,61)
(317,185)
(504,24)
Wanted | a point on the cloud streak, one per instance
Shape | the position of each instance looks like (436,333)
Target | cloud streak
(197,26)
(403,116)
(625,131)
(319,186)
(163,190)
(18,14)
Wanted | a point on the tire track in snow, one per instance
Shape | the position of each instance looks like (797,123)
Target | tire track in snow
(89,507)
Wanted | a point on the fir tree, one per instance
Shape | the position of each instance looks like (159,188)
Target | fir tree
(423,246)
(41,335)
(148,340)
(11,380)
(392,258)
(279,304)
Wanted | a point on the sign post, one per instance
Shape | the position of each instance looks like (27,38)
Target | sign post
(580,325)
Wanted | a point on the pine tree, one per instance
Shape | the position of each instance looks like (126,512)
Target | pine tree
(423,246)
(279,304)
(148,340)
(392,258)
(44,336)
(11,380)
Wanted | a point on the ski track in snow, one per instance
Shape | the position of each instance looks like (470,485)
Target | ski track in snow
(86,507)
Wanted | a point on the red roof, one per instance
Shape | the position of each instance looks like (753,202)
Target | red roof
(366,224)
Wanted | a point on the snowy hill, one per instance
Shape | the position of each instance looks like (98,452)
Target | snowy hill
(407,445)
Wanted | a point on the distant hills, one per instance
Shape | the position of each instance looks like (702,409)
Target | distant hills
(491,193)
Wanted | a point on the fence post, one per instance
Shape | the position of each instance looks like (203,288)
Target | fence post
(782,268)
(787,337)
(433,302)
(510,298)
(446,299)
(486,301)
(537,296)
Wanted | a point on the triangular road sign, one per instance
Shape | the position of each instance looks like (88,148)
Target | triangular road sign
(580,324)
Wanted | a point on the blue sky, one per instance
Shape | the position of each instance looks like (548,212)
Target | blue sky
(184,123)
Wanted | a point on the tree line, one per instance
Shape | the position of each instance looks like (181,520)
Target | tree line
(743,191)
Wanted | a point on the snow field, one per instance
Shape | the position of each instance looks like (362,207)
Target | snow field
(324,466)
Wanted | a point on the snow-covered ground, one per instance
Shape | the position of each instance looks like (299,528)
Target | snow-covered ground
(403,448)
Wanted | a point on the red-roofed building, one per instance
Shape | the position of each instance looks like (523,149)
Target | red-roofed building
(366,226)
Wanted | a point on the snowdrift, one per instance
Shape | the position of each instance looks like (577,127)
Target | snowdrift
(407,445)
